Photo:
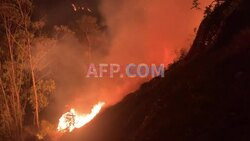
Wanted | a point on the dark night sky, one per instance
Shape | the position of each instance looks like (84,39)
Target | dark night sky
(60,12)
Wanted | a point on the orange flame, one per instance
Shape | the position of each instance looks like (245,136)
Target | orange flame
(71,120)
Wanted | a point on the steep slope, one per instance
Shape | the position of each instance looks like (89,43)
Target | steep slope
(204,97)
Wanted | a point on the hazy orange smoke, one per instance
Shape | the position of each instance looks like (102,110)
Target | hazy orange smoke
(141,31)
(146,31)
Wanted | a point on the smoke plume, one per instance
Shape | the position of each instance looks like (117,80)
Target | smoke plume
(141,31)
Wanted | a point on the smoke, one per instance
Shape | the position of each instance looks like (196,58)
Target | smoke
(149,31)
(146,31)
(141,31)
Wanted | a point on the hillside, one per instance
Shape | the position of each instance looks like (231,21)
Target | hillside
(204,96)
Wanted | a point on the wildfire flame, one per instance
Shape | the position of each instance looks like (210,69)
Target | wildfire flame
(71,120)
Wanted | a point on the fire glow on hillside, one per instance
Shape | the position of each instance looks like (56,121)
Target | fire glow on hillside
(72,119)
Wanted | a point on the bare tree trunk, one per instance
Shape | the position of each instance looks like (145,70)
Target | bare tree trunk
(34,87)
(15,95)
(16,22)
(25,17)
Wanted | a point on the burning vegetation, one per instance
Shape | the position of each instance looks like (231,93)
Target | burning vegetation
(72,119)
(43,60)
